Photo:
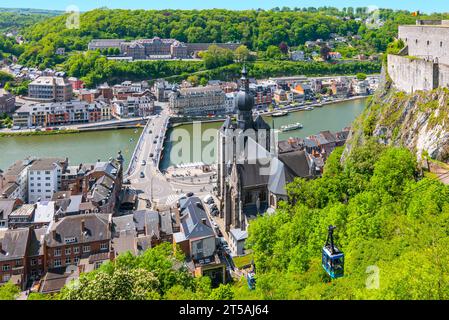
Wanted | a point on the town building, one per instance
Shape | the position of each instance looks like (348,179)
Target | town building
(83,241)
(44,178)
(198,241)
(15,180)
(262,95)
(7,207)
(48,89)
(61,113)
(297,55)
(140,231)
(198,101)
(13,254)
(7,102)
(76,83)
(155,48)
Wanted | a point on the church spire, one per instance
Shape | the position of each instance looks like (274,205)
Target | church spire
(244,79)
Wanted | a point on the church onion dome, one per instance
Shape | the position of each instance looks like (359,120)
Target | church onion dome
(245,101)
(259,123)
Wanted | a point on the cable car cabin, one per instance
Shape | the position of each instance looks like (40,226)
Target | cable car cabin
(251,280)
(333,263)
(333,259)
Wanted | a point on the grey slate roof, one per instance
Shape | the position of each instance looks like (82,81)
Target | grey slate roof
(6,207)
(14,243)
(192,220)
(96,229)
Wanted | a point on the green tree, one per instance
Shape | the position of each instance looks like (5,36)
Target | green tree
(9,291)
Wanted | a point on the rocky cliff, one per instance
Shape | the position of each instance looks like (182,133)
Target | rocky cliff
(418,121)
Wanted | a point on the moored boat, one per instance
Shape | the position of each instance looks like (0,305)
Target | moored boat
(291,127)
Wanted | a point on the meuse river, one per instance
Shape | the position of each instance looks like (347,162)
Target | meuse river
(333,117)
(90,146)
(78,147)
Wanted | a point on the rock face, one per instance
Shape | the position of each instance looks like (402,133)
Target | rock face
(418,121)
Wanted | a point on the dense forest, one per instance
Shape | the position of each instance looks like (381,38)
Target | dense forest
(266,33)
(17,19)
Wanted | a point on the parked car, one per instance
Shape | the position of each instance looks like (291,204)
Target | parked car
(142,175)
(208,199)
(144,163)
(214,212)
(155,141)
(212,207)
(151,155)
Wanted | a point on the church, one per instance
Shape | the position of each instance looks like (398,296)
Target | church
(251,175)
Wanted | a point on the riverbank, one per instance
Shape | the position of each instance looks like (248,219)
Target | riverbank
(36,133)
(93,127)
(177,122)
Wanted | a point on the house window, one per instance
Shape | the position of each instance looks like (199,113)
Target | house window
(57,263)
(33,262)
(104,246)
(57,252)
(68,261)
(18,263)
(76,260)
(68,251)
(5,267)
(98,264)
(47,172)
(86,249)
(6,277)
(39,261)
(76,250)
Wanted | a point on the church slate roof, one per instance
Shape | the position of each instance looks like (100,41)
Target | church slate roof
(260,124)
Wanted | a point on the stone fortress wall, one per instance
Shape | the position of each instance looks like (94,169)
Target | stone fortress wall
(424,63)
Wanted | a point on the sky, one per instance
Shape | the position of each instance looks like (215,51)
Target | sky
(84,5)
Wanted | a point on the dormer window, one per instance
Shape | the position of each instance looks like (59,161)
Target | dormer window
(70,240)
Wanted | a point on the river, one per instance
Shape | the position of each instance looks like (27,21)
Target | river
(78,147)
(333,117)
(90,146)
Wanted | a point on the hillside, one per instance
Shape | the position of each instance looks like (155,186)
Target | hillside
(417,121)
(257,29)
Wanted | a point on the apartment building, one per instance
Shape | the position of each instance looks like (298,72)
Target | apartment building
(198,101)
(60,113)
(44,178)
(46,89)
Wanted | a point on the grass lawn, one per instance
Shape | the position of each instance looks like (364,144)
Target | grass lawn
(243,260)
